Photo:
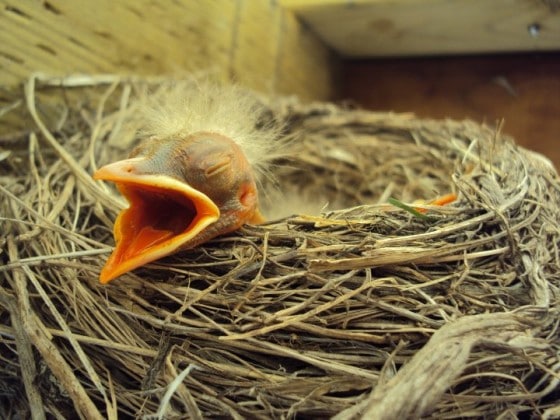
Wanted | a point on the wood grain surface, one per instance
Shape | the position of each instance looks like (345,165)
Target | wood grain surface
(524,90)
(366,28)
(255,42)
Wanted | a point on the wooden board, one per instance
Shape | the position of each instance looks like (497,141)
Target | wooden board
(255,42)
(524,90)
(367,28)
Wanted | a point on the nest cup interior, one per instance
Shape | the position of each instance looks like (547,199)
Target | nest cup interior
(364,308)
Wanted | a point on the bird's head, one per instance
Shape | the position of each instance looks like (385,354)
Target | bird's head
(182,191)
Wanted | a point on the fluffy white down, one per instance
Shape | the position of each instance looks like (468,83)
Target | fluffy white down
(193,105)
(189,106)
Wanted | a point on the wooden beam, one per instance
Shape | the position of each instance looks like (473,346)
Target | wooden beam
(368,28)
(255,42)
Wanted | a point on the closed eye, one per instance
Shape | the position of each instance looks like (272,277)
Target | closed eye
(221,165)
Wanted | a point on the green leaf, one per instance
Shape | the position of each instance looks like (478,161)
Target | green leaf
(409,209)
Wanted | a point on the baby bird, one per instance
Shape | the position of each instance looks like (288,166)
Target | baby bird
(193,177)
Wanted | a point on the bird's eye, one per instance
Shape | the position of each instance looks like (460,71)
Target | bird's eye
(218,166)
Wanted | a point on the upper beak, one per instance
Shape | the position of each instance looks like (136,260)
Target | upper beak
(163,215)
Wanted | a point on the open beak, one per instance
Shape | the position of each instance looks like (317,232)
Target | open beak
(163,215)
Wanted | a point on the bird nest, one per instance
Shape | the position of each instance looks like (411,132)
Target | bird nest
(385,307)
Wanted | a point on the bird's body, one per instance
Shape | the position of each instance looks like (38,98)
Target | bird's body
(195,174)
(192,178)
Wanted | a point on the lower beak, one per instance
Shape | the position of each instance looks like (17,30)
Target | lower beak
(164,215)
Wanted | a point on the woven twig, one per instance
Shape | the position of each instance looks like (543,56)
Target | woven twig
(363,310)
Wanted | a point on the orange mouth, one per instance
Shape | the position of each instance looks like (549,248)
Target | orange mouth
(164,214)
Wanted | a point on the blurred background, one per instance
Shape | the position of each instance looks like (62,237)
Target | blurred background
(522,89)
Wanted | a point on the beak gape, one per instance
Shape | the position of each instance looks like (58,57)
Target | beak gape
(164,215)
